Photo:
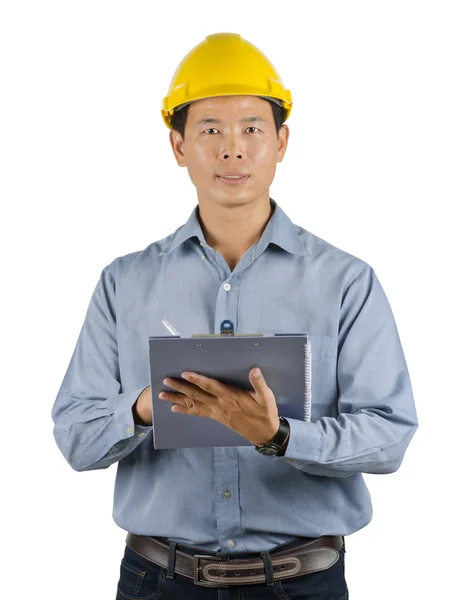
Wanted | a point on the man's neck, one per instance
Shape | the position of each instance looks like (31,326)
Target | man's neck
(231,231)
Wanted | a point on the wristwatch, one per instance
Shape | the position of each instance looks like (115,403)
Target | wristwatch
(273,446)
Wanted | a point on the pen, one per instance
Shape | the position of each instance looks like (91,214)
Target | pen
(170,327)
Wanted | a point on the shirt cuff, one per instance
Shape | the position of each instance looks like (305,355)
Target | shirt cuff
(303,446)
(122,406)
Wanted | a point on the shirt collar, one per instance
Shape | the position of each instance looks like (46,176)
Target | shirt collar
(279,230)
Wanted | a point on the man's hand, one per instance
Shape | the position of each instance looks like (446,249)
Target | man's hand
(142,408)
(252,414)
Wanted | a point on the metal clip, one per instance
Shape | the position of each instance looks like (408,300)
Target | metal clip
(227,327)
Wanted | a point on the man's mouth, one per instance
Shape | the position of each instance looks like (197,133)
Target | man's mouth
(233,179)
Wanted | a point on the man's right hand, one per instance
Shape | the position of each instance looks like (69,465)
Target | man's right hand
(142,408)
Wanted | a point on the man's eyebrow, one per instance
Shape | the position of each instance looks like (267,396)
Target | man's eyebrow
(252,119)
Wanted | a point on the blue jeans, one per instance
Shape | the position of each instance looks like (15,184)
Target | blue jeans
(143,579)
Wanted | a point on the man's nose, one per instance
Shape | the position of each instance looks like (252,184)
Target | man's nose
(233,146)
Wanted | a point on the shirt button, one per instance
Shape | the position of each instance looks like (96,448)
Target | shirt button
(230,543)
(227,287)
(140,434)
(128,430)
(227,494)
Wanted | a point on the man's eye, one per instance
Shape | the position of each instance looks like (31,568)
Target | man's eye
(214,129)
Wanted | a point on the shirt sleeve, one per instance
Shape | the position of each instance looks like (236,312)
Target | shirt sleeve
(376,412)
(93,418)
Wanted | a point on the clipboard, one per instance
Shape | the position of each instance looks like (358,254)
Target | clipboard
(284,358)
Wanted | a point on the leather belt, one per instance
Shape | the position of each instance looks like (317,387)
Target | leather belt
(206,570)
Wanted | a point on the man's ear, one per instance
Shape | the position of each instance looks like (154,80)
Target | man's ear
(282,142)
(178,147)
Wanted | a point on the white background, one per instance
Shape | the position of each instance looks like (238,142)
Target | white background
(378,164)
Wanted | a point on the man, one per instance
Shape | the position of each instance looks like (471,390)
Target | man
(268,526)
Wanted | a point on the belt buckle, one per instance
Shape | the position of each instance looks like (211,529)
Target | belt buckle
(197,569)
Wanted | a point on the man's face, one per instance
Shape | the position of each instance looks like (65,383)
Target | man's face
(221,135)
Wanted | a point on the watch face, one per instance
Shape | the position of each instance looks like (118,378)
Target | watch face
(268,451)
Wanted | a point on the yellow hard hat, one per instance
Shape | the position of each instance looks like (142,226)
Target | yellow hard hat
(224,64)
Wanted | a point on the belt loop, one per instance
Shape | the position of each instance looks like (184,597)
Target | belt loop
(171,560)
(269,573)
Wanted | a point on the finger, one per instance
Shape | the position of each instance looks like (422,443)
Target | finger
(179,402)
(210,386)
(174,397)
(192,391)
(263,393)
(183,404)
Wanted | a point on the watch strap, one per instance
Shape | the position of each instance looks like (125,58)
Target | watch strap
(280,436)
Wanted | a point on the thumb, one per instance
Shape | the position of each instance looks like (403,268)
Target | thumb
(257,375)
(262,391)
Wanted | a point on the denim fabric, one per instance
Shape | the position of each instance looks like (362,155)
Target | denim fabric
(234,498)
(141,578)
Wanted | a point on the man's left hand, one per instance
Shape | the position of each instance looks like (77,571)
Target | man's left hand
(252,414)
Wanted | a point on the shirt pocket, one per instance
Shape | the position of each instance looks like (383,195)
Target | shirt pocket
(322,346)
(323,374)
(324,349)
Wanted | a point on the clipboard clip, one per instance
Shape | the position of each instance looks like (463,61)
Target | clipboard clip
(227,327)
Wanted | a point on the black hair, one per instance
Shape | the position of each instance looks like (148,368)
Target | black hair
(179,117)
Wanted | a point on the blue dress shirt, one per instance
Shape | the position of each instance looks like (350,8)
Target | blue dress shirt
(234,498)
